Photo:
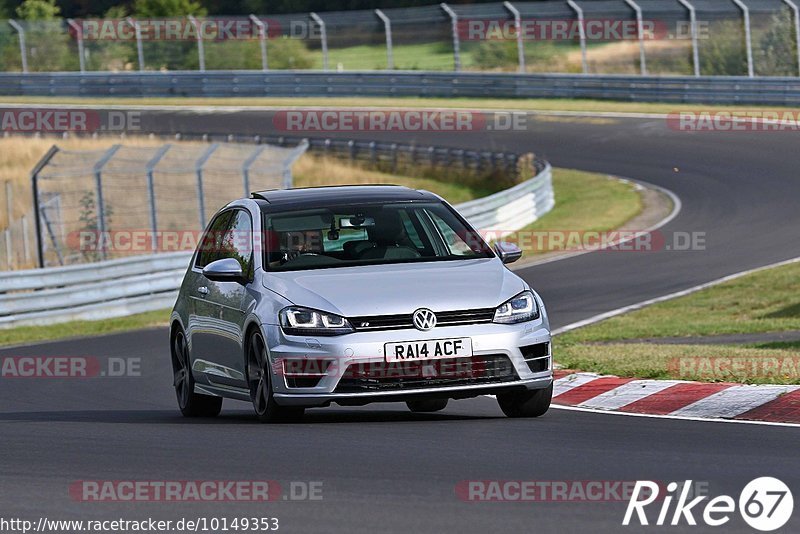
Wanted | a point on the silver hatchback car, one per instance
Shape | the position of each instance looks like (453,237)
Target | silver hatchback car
(355,294)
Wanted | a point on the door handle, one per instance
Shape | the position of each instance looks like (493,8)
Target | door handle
(203,290)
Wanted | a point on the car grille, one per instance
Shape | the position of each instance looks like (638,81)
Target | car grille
(408,375)
(395,322)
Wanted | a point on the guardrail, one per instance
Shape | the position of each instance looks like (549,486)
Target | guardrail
(687,89)
(119,287)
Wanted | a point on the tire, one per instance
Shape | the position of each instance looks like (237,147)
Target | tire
(526,404)
(190,403)
(260,381)
(423,406)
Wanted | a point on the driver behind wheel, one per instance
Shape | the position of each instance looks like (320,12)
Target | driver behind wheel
(303,242)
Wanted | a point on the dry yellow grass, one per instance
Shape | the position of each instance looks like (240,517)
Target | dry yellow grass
(622,57)
(310,171)
(124,194)
(18,155)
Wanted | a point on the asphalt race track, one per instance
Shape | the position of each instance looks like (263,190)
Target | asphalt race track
(384,469)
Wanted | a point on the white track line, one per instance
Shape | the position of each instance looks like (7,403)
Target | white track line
(677,417)
(677,205)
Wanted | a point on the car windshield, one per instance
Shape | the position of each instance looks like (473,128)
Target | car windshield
(366,234)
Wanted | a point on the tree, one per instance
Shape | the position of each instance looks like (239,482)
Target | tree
(168,8)
(38,10)
(724,53)
(776,53)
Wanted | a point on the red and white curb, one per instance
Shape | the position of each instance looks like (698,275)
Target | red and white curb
(678,398)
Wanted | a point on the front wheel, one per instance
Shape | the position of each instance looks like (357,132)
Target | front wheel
(527,403)
(190,403)
(260,380)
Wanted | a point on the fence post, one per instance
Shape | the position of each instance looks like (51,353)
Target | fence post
(456,42)
(323,37)
(35,190)
(151,193)
(246,167)
(9,217)
(137,30)
(518,28)
(200,51)
(79,38)
(581,34)
(298,151)
(640,32)
(101,204)
(693,30)
(26,246)
(23,50)
(198,169)
(387,28)
(262,40)
(796,13)
(748,37)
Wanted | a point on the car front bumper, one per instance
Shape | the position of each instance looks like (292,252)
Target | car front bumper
(365,348)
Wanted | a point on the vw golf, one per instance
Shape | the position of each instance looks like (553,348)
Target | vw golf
(301,298)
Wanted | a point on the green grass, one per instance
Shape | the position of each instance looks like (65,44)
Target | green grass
(528,104)
(707,363)
(766,301)
(584,202)
(422,56)
(32,334)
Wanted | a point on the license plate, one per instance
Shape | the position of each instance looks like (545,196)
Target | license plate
(435,349)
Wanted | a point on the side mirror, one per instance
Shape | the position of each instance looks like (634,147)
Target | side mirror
(508,252)
(224,270)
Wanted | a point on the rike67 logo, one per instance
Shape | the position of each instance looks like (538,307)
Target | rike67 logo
(766,504)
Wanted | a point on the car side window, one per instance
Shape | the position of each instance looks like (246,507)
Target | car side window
(237,240)
(455,244)
(210,245)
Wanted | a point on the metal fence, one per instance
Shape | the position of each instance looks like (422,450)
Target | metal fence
(125,286)
(95,205)
(706,89)
(674,37)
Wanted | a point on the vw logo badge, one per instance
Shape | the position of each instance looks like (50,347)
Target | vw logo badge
(424,319)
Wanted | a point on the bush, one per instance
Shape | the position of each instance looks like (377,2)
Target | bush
(723,54)
(495,54)
(282,53)
(776,53)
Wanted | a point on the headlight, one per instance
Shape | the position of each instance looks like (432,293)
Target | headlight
(521,308)
(297,321)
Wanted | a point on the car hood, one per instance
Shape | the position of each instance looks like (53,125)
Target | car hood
(399,288)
